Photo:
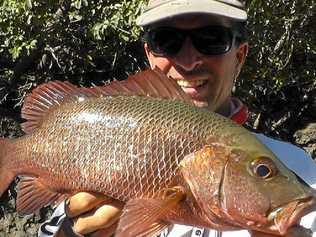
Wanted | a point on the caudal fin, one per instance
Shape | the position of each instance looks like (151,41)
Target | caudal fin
(6,176)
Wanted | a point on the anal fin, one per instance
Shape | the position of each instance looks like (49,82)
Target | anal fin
(34,194)
(144,217)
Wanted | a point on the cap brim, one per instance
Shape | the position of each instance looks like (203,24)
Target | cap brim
(180,7)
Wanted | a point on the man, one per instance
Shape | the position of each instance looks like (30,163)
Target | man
(202,45)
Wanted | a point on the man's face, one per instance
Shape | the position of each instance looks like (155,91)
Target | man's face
(208,80)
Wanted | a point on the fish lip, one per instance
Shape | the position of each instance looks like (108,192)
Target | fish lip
(283,221)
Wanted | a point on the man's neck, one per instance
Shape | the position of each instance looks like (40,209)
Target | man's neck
(235,110)
(226,109)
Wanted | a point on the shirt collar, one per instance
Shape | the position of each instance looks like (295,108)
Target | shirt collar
(239,112)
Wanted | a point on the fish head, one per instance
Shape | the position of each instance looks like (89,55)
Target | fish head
(261,193)
(248,189)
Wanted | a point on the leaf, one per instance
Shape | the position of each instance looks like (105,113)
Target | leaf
(29,4)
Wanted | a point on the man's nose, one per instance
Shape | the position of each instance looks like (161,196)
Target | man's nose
(188,58)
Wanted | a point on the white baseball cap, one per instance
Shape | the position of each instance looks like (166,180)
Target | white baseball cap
(158,10)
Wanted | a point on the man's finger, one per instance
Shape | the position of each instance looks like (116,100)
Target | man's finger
(83,202)
(103,217)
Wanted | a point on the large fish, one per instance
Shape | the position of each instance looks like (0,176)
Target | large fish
(143,142)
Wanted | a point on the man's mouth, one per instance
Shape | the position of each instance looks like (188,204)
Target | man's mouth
(191,83)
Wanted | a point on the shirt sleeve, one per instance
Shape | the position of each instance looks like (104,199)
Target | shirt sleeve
(58,221)
(189,231)
(309,222)
(50,227)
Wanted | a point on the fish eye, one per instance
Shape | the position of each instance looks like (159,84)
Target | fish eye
(263,171)
(263,168)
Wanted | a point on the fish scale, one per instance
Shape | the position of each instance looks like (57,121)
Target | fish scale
(142,139)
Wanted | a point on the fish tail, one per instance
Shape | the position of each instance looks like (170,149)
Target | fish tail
(6,175)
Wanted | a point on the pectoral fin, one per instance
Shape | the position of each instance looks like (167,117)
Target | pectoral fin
(144,217)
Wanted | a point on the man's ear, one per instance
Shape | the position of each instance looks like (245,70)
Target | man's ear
(148,54)
(146,48)
(241,56)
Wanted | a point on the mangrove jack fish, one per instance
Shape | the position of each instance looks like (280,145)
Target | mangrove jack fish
(143,142)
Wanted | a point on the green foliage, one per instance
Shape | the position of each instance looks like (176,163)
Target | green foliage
(68,38)
(281,33)
(279,79)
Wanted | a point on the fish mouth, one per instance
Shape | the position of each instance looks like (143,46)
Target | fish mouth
(282,218)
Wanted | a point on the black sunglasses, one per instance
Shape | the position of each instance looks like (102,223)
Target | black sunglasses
(209,40)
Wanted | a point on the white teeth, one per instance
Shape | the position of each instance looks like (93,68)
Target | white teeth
(273,214)
(184,83)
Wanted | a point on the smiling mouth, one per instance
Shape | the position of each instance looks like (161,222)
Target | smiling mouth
(191,84)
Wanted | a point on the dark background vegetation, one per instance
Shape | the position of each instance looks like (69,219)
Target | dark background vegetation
(90,42)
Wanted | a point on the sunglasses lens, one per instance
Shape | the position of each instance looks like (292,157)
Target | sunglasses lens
(213,40)
(165,41)
(210,40)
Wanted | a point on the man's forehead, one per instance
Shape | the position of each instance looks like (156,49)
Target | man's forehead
(194,21)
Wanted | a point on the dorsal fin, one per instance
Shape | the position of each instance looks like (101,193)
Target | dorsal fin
(151,83)
(43,98)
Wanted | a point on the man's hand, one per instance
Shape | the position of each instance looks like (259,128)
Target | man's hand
(295,231)
(92,213)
